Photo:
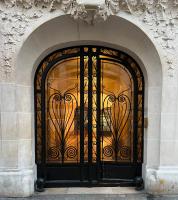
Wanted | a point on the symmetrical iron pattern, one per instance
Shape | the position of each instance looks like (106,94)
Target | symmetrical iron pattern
(89,107)
(117,114)
(61,108)
(38,98)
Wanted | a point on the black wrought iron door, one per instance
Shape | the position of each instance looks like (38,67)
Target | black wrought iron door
(89,117)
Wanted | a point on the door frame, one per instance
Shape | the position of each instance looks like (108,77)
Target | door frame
(41,168)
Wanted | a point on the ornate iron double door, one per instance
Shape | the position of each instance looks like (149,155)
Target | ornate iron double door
(89,117)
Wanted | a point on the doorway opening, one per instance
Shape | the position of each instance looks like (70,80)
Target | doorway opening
(89,107)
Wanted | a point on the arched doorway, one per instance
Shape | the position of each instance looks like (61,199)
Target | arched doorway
(89,117)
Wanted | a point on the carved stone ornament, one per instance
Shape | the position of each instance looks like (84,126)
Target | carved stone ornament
(71,7)
(159,16)
(100,9)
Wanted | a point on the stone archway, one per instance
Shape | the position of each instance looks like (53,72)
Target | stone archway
(116,32)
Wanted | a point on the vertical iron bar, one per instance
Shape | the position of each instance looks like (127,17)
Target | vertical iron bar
(62,145)
(102,83)
(81,113)
(36,119)
(98,126)
(43,121)
(135,154)
(143,97)
(90,107)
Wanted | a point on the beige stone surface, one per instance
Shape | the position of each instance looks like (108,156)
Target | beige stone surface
(146,31)
(9,155)
(94,190)
(8,125)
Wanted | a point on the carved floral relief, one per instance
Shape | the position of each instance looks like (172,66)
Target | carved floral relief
(160,16)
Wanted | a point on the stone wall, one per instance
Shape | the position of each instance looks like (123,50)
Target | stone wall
(31,29)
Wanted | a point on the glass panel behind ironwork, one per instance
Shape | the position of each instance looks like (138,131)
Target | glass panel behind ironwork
(62,112)
(116,113)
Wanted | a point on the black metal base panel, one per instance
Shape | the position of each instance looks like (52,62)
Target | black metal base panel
(70,175)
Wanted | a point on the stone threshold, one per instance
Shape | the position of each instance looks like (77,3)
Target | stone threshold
(92,190)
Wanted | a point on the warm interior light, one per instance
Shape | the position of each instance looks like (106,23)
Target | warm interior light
(63,109)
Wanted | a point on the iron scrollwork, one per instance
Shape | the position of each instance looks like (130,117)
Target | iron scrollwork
(116,116)
(61,112)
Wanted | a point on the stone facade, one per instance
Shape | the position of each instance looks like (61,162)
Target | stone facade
(31,29)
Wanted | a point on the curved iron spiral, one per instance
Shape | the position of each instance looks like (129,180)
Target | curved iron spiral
(116,113)
(61,111)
